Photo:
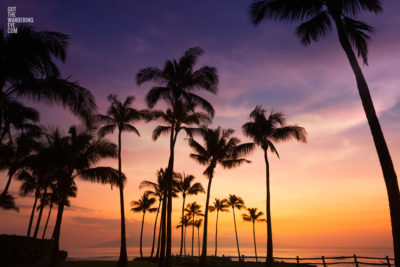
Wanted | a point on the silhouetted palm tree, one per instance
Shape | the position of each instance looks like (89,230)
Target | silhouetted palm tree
(219,206)
(253,216)
(197,224)
(316,19)
(265,132)
(120,116)
(220,148)
(157,190)
(193,209)
(238,203)
(73,156)
(176,84)
(183,223)
(143,205)
(186,188)
(28,69)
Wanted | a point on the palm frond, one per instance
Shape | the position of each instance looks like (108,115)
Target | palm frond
(314,29)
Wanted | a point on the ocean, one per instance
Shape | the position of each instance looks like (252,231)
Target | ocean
(287,252)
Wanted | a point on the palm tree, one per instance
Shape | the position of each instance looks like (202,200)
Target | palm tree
(176,84)
(193,209)
(143,205)
(120,116)
(219,206)
(73,156)
(220,148)
(236,202)
(184,223)
(157,190)
(197,224)
(28,69)
(316,19)
(265,132)
(186,188)
(253,216)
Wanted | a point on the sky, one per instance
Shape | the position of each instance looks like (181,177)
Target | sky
(326,193)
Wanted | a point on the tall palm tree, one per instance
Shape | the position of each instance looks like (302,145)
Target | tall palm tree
(120,116)
(193,209)
(73,156)
(184,223)
(176,84)
(186,188)
(218,206)
(253,216)
(219,148)
(28,69)
(238,203)
(197,224)
(143,205)
(316,18)
(181,117)
(265,132)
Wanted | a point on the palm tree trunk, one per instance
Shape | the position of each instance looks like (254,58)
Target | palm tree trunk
(192,234)
(270,256)
(141,236)
(198,239)
(204,250)
(47,221)
(32,213)
(183,214)
(184,243)
(57,230)
(216,235)
(170,173)
(123,257)
(161,261)
(385,159)
(255,244)
(237,239)
(40,215)
(155,229)
(159,232)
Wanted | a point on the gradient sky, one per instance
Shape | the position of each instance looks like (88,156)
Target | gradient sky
(328,192)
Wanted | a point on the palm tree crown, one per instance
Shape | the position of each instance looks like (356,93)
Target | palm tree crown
(236,202)
(144,204)
(267,130)
(185,186)
(120,115)
(219,205)
(220,148)
(253,216)
(316,18)
(178,80)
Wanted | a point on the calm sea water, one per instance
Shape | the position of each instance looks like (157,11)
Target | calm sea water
(310,252)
